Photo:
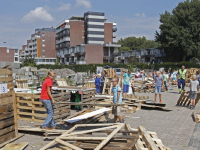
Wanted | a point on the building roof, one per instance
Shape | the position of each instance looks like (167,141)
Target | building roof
(76,18)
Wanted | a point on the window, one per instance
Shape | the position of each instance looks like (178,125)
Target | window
(43,50)
(43,45)
(43,34)
(7,50)
(16,58)
(16,50)
(43,40)
(43,55)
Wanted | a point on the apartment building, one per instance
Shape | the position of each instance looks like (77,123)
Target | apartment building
(143,55)
(9,54)
(41,46)
(85,40)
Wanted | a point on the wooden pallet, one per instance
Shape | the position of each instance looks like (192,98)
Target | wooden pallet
(184,99)
(61,82)
(137,97)
(8,119)
(22,83)
(30,108)
(196,116)
(107,88)
(149,141)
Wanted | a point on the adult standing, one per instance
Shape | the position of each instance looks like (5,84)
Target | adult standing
(126,81)
(48,101)
(159,85)
(165,79)
(181,78)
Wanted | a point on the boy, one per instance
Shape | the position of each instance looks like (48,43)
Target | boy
(48,101)
(159,85)
(126,80)
(194,84)
(117,99)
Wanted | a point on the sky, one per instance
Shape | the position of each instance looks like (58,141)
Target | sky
(20,18)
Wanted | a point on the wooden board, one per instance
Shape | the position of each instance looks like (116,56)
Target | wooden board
(15,146)
(196,117)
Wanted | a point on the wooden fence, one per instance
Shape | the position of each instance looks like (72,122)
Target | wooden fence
(8,120)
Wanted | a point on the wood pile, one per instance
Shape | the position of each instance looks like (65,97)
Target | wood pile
(22,83)
(116,136)
(61,82)
(8,120)
(190,72)
(30,108)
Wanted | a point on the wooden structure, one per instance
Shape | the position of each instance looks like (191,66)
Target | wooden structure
(137,97)
(119,137)
(184,99)
(107,88)
(90,84)
(22,83)
(61,82)
(111,73)
(30,108)
(8,120)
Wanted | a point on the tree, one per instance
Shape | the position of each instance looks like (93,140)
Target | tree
(180,30)
(133,43)
(28,61)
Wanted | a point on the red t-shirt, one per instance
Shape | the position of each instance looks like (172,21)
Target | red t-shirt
(47,83)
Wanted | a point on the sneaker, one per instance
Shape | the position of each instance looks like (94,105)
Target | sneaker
(53,128)
(46,128)
(193,107)
(160,101)
(122,121)
(154,101)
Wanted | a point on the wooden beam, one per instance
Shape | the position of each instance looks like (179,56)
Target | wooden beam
(3,144)
(68,144)
(93,104)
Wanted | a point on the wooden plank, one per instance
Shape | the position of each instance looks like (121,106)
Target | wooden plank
(6,79)
(32,114)
(10,86)
(7,130)
(196,117)
(31,120)
(6,108)
(29,102)
(18,146)
(5,72)
(15,112)
(7,137)
(109,137)
(6,100)
(151,145)
(6,94)
(1,145)
(67,144)
(30,108)
(6,122)
(6,115)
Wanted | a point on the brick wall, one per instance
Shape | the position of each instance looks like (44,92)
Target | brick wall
(76,32)
(94,54)
(7,57)
(50,45)
(108,33)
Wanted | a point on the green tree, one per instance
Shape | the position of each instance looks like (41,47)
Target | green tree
(180,30)
(28,61)
(133,43)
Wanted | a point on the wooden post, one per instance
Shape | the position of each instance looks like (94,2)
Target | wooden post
(15,112)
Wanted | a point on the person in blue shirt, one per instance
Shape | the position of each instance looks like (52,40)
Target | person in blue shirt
(117,99)
(126,81)
(98,84)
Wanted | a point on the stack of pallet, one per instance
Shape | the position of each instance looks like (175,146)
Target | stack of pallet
(110,73)
(190,72)
(8,120)
(107,136)
(30,108)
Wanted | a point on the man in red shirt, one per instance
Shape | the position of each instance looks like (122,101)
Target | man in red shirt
(48,101)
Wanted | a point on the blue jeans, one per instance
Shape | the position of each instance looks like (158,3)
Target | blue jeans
(125,88)
(49,107)
(181,81)
(98,89)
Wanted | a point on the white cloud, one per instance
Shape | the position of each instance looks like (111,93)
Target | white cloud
(85,3)
(39,13)
(140,15)
(64,6)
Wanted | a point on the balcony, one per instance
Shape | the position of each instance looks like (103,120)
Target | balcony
(79,53)
(67,33)
(31,43)
(62,28)
(66,39)
(114,36)
(114,29)
(45,63)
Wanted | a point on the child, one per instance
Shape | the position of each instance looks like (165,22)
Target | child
(98,84)
(117,99)
(48,101)
(194,84)
(159,85)
(165,79)
(198,79)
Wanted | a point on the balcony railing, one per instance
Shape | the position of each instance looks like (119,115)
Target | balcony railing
(60,29)
(63,40)
(67,33)
(114,29)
